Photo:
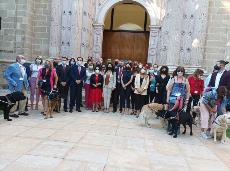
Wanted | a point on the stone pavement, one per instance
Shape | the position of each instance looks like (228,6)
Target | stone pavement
(103,142)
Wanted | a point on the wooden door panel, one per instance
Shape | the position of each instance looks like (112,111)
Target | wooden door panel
(125,45)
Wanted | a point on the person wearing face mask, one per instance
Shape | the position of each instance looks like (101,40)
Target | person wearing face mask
(46,82)
(152,85)
(96,83)
(213,101)
(221,78)
(116,92)
(161,83)
(77,79)
(89,72)
(141,85)
(72,62)
(126,80)
(155,69)
(63,80)
(178,93)
(109,85)
(34,69)
(17,80)
(196,88)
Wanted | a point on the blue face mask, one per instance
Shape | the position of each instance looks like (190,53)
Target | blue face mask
(151,71)
(72,62)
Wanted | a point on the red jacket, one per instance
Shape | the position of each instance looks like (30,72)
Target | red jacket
(196,85)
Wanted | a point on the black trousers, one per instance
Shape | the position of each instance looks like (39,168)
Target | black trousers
(115,96)
(151,96)
(139,101)
(75,95)
(125,97)
(195,99)
(133,99)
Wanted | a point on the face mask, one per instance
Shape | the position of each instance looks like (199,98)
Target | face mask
(64,62)
(155,69)
(97,71)
(180,74)
(140,66)
(22,61)
(90,67)
(79,62)
(109,68)
(72,63)
(216,67)
(142,71)
(128,68)
(46,65)
(151,71)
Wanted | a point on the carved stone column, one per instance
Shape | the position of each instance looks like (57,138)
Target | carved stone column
(55,29)
(153,39)
(97,41)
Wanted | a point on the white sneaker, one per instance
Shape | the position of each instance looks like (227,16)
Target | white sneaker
(203,135)
(208,134)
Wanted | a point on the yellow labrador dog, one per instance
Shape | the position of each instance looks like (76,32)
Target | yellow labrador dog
(150,110)
(220,126)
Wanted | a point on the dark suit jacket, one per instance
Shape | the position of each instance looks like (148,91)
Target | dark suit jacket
(63,74)
(93,80)
(74,74)
(224,80)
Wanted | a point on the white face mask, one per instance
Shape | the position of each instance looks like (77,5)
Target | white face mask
(97,71)
(22,61)
(79,62)
(142,71)
(90,67)
(140,66)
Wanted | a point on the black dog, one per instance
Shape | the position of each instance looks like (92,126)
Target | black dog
(8,101)
(180,118)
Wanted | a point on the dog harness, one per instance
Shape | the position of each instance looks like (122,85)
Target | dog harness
(8,101)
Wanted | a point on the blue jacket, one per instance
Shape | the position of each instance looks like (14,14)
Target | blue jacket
(74,74)
(13,75)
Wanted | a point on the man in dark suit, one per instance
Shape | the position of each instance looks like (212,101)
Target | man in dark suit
(63,80)
(221,78)
(116,92)
(77,78)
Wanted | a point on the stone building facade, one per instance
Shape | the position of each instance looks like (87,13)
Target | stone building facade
(193,33)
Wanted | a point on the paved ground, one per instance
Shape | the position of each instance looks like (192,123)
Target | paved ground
(103,142)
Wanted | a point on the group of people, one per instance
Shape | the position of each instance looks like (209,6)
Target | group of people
(125,84)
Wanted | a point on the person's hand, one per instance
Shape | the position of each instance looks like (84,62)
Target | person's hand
(94,85)
(63,84)
(157,90)
(213,110)
(55,86)
(78,81)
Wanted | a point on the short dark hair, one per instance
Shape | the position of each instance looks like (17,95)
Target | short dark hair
(38,57)
(80,58)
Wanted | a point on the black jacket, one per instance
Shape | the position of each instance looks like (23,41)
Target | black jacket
(93,80)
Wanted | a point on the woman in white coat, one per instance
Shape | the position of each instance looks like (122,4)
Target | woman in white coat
(141,87)
(109,85)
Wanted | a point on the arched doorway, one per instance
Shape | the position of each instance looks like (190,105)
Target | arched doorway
(153,27)
(126,33)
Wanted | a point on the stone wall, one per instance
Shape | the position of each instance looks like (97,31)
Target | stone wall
(218,33)
(41,27)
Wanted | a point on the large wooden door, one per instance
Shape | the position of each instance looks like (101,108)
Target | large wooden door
(126,45)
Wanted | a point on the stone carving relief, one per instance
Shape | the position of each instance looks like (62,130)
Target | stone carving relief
(98,38)
(55,28)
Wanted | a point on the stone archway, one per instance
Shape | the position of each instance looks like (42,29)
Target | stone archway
(99,26)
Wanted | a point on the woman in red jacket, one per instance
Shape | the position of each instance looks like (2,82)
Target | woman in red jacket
(196,87)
